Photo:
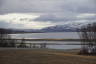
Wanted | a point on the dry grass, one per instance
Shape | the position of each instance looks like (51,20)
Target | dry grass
(37,56)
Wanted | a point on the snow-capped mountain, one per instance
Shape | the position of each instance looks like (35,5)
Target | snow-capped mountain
(67,27)
(59,28)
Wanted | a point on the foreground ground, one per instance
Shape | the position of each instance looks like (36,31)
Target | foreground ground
(38,56)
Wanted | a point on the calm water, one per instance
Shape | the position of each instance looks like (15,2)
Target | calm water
(57,35)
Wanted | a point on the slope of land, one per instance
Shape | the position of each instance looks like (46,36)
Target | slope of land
(44,56)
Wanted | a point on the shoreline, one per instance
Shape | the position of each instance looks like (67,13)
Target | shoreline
(28,39)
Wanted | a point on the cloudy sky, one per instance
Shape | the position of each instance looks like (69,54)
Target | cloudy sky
(37,14)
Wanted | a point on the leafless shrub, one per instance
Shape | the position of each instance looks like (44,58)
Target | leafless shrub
(3,39)
(88,39)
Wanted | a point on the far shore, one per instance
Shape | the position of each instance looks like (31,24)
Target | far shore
(28,39)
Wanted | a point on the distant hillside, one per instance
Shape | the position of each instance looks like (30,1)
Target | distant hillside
(67,27)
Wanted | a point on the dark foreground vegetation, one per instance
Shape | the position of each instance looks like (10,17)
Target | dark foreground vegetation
(4,35)
(88,39)
(7,41)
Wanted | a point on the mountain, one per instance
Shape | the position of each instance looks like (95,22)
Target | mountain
(26,30)
(67,27)
(59,28)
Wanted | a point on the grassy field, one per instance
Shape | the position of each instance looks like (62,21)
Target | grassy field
(44,56)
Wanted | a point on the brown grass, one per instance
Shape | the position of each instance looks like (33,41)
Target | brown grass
(37,56)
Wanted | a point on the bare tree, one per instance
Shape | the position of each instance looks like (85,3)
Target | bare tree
(4,42)
(22,44)
(88,38)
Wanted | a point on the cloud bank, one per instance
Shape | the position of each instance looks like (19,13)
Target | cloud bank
(37,14)
(22,21)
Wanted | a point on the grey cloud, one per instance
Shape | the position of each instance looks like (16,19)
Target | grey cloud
(80,6)
(54,17)
(1,2)
(48,6)
(37,6)
(52,10)
(63,18)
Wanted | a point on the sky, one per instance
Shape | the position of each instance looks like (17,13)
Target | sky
(38,14)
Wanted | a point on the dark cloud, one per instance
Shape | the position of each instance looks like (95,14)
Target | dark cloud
(51,10)
(64,18)
(25,6)
(80,6)
(47,6)
(54,18)
(1,2)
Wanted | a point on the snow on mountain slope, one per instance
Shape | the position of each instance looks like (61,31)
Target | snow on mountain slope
(67,27)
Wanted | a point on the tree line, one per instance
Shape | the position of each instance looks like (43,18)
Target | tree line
(4,42)
(7,41)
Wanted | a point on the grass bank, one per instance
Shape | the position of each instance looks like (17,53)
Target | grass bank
(44,56)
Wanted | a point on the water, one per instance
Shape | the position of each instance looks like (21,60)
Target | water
(59,46)
(64,47)
(57,35)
